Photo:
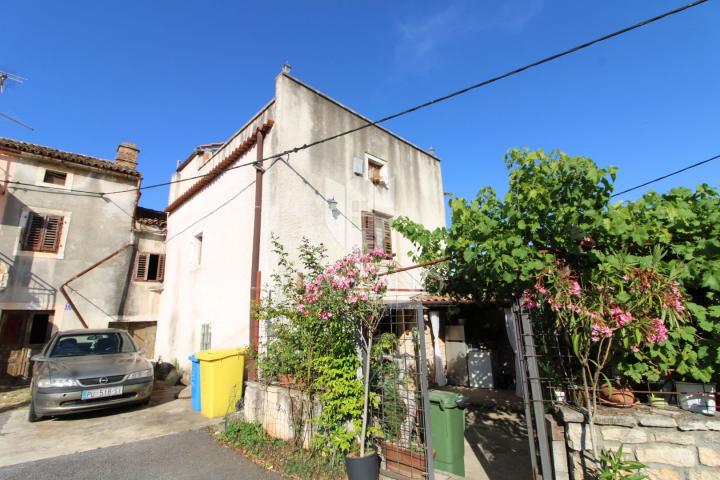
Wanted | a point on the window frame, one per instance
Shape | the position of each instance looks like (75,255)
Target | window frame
(369,225)
(29,227)
(382,167)
(42,172)
(143,258)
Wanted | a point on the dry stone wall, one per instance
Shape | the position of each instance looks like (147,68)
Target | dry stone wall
(674,444)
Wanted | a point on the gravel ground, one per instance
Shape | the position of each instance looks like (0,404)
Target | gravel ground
(181,456)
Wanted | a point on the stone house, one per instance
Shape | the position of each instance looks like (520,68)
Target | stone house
(225,209)
(67,253)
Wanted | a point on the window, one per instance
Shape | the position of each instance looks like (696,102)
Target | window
(150,267)
(376,170)
(376,232)
(39,328)
(205,336)
(55,178)
(42,233)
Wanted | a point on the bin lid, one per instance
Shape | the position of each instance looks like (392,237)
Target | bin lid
(213,355)
(444,399)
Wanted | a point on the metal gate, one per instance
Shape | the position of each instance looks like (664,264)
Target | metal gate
(400,381)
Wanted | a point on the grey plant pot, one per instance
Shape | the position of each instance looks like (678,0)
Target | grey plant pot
(363,468)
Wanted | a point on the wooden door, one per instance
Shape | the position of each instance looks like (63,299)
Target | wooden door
(13,353)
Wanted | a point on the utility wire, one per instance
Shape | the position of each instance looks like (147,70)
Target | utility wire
(666,176)
(448,96)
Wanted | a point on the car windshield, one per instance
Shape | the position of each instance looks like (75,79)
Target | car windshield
(92,344)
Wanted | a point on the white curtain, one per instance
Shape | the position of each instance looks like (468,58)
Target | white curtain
(440,379)
(510,329)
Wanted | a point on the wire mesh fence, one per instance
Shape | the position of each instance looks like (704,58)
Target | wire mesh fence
(400,382)
(292,406)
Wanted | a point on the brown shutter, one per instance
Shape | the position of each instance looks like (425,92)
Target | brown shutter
(368,231)
(34,232)
(161,268)
(53,231)
(141,266)
(387,238)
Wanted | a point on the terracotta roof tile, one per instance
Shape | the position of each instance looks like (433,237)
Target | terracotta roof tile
(69,157)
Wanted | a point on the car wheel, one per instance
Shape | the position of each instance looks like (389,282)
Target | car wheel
(32,416)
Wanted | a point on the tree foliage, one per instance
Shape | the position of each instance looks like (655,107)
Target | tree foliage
(558,211)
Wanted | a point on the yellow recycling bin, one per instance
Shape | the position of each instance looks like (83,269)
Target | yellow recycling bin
(221,380)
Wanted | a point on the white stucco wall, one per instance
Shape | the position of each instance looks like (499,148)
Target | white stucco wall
(142,300)
(94,228)
(216,291)
(295,205)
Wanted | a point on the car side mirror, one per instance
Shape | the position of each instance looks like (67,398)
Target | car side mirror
(141,351)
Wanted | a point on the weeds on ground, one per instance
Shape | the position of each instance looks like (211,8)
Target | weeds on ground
(252,440)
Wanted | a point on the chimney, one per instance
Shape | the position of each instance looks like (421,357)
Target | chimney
(127,154)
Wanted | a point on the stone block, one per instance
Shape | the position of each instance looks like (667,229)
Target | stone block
(696,474)
(615,419)
(624,434)
(674,437)
(578,436)
(713,424)
(709,456)
(569,415)
(711,437)
(650,420)
(663,474)
(667,455)
(692,422)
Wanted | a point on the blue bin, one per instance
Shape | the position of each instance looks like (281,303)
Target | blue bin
(195,383)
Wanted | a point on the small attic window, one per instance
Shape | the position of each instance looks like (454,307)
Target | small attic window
(376,170)
(54,178)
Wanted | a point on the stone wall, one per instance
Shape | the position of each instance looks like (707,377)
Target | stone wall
(672,443)
(283,412)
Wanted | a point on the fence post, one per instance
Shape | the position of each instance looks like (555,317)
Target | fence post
(536,396)
(425,394)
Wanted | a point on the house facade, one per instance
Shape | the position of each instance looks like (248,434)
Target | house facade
(67,254)
(224,210)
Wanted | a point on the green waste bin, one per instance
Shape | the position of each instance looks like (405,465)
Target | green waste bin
(447,420)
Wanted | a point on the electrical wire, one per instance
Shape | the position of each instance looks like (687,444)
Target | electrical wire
(444,97)
(655,180)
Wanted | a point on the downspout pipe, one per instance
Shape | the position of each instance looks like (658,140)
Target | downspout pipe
(255,263)
(90,268)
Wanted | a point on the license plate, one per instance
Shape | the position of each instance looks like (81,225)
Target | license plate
(102,392)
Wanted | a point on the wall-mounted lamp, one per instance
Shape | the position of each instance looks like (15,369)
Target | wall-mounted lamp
(333,204)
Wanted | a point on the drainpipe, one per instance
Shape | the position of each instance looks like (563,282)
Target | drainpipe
(255,265)
(91,267)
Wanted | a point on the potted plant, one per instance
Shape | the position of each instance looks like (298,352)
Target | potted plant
(696,397)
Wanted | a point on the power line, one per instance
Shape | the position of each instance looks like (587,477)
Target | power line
(666,176)
(448,96)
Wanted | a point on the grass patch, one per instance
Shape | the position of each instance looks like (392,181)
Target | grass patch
(252,441)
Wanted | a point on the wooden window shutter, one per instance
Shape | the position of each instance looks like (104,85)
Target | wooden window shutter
(34,232)
(161,268)
(141,266)
(53,231)
(387,238)
(42,233)
(368,230)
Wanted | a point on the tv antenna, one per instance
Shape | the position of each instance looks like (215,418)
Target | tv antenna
(4,78)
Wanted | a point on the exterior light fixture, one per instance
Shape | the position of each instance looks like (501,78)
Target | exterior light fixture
(333,204)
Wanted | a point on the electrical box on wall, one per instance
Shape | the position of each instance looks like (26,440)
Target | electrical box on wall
(358,166)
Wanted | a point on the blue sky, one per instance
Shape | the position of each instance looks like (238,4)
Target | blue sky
(169,75)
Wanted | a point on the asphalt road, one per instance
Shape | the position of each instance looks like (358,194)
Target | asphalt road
(180,456)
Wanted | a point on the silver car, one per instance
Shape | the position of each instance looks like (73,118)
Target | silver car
(81,370)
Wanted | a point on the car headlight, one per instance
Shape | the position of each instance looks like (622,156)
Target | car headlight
(141,374)
(57,382)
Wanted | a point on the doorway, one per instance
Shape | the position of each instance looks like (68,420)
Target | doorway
(22,334)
